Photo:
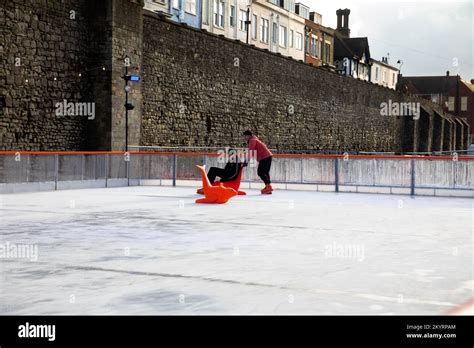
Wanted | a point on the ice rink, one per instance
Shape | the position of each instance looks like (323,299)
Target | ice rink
(152,250)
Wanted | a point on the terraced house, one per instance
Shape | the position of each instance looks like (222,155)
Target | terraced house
(276,25)
(351,54)
(159,6)
(319,43)
(279,28)
(382,73)
(182,11)
(227,17)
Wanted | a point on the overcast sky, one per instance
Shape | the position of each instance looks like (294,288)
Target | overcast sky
(429,36)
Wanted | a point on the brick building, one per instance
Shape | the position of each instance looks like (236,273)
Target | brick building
(453,94)
(319,47)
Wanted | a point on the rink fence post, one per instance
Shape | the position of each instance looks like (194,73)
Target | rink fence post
(127,168)
(301,172)
(83,166)
(56,171)
(175,160)
(28,167)
(412,180)
(336,174)
(455,173)
(106,170)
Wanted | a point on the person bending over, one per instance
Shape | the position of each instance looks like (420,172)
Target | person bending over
(264,159)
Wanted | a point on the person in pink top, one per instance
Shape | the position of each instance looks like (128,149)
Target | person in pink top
(264,159)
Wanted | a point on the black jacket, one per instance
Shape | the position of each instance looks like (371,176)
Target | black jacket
(231,171)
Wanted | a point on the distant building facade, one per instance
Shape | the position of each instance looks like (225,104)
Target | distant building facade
(267,24)
(319,42)
(382,73)
(160,6)
(454,94)
(351,55)
(227,17)
(278,28)
(182,11)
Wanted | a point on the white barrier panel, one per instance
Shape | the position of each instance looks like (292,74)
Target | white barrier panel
(39,172)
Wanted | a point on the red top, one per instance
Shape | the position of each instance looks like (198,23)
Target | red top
(255,144)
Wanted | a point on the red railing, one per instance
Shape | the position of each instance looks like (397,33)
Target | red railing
(417,157)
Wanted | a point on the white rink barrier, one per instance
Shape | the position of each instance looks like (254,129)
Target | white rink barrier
(410,175)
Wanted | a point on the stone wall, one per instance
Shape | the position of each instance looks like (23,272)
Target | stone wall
(46,44)
(197,89)
(126,42)
(203,90)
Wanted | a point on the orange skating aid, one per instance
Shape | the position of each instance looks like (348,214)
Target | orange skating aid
(214,194)
(235,184)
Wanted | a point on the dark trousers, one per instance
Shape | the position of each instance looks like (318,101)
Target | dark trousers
(214,172)
(263,170)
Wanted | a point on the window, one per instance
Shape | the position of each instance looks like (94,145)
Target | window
(451,103)
(393,78)
(275,33)
(243,18)
(299,41)
(376,73)
(175,3)
(308,44)
(283,37)
(384,79)
(219,13)
(304,12)
(291,6)
(314,46)
(254,27)
(190,6)
(291,38)
(232,15)
(264,30)
(463,103)
(205,12)
(327,52)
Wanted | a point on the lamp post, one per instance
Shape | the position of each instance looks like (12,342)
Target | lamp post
(128,106)
(247,24)
(127,89)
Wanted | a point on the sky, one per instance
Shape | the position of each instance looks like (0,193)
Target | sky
(429,37)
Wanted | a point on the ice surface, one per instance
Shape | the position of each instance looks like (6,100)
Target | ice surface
(151,250)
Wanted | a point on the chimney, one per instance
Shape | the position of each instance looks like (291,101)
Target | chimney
(447,73)
(472,81)
(343,22)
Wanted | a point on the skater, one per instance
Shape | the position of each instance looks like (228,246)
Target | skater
(228,173)
(264,159)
